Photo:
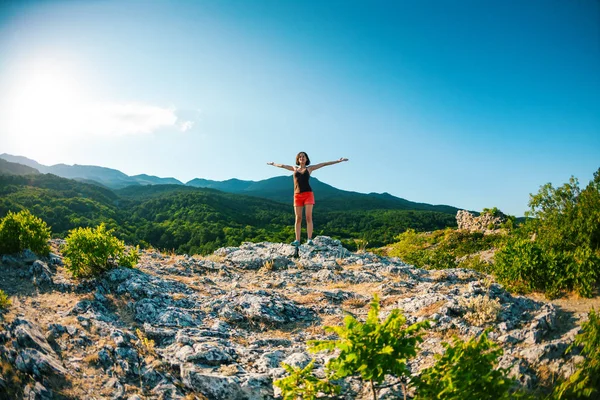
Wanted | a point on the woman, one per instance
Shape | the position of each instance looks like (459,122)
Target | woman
(303,194)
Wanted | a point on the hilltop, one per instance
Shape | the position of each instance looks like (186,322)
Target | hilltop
(221,325)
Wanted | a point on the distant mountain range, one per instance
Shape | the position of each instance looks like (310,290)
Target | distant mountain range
(277,188)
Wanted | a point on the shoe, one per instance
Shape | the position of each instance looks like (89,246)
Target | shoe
(309,242)
(295,243)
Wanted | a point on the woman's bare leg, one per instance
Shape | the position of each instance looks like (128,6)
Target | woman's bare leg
(298,211)
(309,220)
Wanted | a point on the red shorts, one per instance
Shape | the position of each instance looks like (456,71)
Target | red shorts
(304,198)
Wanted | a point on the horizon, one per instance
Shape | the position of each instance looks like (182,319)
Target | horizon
(469,104)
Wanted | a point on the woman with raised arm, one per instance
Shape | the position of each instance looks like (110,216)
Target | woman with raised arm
(303,194)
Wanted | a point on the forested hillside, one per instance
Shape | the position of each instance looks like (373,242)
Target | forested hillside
(278,188)
(196,220)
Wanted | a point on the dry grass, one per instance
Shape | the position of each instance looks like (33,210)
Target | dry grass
(12,379)
(327,320)
(214,258)
(268,266)
(178,296)
(281,333)
(430,309)
(126,315)
(364,289)
(392,301)
(480,309)
(228,370)
(355,302)
(446,335)
(91,359)
(547,377)
(310,298)
(353,267)
(195,396)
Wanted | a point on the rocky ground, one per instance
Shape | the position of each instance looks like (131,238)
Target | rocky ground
(218,327)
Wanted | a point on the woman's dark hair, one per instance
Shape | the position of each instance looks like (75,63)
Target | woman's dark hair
(305,155)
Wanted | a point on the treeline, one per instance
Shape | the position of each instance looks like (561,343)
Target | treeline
(194,220)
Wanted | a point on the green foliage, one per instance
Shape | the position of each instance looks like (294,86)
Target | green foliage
(22,231)
(559,248)
(477,264)
(372,349)
(4,300)
(466,372)
(147,346)
(494,212)
(198,221)
(302,384)
(90,252)
(130,259)
(585,382)
(441,248)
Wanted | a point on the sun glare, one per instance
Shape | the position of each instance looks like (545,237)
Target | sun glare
(43,101)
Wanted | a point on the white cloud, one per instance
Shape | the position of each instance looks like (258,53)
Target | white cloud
(45,103)
(128,119)
(186,126)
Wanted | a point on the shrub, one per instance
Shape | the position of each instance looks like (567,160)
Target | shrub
(130,259)
(494,212)
(480,309)
(524,265)
(410,247)
(585,382)
(89,252)
(520,265)
(476,263)
(372,349)
(301,383)
(465,372)
(441,248)
(22,231)
(559,247)
(4,300)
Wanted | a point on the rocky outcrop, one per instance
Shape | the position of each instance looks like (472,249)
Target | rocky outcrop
(220,326)
(485,222)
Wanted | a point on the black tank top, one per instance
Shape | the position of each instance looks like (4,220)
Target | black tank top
(301,184)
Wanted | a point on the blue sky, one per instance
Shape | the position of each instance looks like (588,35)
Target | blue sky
(468,103)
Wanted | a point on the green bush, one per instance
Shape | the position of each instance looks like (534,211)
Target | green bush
(410,247)
(494,212)
(4,300)
(466,371)
(22,231)
(477,264)
(557,249)
(372,349)
(520,265)
(302,384)
(441,248)
(585,382)
(90,252)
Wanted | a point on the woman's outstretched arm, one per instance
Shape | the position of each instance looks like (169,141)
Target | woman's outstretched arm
(288,167)
(311,168)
